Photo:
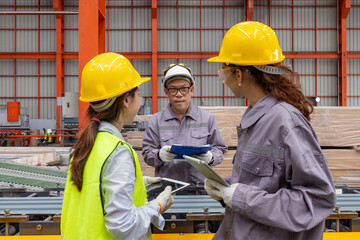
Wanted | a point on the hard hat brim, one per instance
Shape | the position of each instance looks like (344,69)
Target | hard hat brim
(214,59)
(244,63)
(139,82)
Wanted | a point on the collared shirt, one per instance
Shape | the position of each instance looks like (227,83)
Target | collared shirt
(123,219)
(198,127)
(285,187)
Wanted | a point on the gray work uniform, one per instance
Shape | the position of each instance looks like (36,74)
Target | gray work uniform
(198,127)
(285,187)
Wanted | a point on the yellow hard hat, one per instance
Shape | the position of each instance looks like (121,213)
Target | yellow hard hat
(249,43)
(108,75)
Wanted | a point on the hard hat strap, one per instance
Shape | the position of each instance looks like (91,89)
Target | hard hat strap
(270,69)
(99,107)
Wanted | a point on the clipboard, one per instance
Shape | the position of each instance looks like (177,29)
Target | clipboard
(205,170)
(181,150)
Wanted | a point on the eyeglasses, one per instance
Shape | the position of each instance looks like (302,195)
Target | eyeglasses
(182,90)
(173,65)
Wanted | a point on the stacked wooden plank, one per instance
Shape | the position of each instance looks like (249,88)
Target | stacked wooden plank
(337,128)
(40,156)
(334,126)
(135,138)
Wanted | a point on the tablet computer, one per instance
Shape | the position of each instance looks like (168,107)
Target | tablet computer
(205,170)
(154,189)
(181,150)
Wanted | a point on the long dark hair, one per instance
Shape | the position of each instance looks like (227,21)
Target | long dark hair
(84,145)
(285,87)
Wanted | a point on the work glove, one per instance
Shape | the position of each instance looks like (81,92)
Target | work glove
(205,157)
(165,199)
(148,180)
(220,192)
(165,155)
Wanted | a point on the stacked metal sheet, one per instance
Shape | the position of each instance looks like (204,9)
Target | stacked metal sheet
(32,178)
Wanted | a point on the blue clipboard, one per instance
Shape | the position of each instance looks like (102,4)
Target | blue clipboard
(181,150)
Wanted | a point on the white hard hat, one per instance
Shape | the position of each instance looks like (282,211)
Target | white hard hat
(177,71)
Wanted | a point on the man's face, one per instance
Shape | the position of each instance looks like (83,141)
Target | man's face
(179,93)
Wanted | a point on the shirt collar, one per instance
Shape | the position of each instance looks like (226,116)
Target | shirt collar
(191,112)
(108,127)
(253,114)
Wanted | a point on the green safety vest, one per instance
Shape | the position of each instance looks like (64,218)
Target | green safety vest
(83,213)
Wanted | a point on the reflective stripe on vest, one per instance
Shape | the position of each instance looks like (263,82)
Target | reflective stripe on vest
(82,214)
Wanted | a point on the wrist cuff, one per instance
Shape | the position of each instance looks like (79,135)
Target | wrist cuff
(160,207)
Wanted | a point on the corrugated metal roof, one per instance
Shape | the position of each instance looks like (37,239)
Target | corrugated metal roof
(328,101)
(71,67)
(189,41)
(327,40)
(6,86)
(143,66)
(48,41)
(327,66)
(325,16)
(71,40)
(47,109)
(31,105)
(353,82)
(353,21)
(327,85)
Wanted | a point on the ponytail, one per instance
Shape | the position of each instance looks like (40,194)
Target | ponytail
(82,150)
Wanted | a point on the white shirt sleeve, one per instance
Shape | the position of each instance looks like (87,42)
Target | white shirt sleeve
(122,218)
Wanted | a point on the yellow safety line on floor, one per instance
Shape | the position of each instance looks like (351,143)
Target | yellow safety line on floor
(341,236)
(187,236)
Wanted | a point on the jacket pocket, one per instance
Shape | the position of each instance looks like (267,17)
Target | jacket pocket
(257,165)
(166,137)
(200,136)
(258,170)
(199,133)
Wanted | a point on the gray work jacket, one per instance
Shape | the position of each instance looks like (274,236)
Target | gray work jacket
(285,187)
(198,127)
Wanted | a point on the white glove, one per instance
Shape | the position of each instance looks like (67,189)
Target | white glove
(218,191)
(148,180)
(165,155)
(165,199)
(206,157)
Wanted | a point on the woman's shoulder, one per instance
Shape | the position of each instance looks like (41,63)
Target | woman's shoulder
(288,114)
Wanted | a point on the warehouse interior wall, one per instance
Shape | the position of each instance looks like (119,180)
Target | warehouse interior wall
(311,34)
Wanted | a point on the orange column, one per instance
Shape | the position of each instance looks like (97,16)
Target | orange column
(91,41)
(343,12)
(249,9)
(58,5)
(154,54)
(249,13)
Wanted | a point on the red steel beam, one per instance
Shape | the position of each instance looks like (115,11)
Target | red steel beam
(344,8)
(38,60)
(36,56)
(38,13)
(249,9)
(154,54)
(249,12)
(59,6)
(91,42)
(170,55)
(15,40)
